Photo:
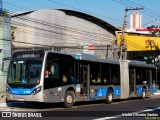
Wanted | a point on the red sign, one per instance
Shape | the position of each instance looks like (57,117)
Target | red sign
(90,47)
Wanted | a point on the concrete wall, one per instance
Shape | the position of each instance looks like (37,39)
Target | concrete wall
(55,28)
(5,45)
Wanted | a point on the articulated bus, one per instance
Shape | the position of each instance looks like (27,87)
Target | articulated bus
(52,77)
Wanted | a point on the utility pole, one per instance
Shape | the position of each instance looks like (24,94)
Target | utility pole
(123,47)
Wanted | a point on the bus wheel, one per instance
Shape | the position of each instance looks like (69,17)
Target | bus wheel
(69,99)
(143,93)
(109,97)
(7,101)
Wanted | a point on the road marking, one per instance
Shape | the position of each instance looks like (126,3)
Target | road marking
(3,104)
(108,118)
(157,93)
(6,104)
(117,116)
(12,109)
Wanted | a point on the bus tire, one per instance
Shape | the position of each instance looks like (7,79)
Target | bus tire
(69,99)
(143,93)
(109,97)
(7,101)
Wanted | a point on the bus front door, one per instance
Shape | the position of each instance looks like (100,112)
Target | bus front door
(84,73)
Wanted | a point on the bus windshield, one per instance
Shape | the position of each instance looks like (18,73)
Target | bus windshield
(24,71)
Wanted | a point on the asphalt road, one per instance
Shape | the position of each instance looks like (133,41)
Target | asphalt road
(136,108)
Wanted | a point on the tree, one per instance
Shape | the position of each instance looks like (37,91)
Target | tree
(5,13)
(12,32)
(154,30)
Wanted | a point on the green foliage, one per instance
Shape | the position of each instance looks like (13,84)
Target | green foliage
(12,32)
(5,13)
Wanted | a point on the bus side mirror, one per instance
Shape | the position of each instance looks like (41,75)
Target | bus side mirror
(5,64)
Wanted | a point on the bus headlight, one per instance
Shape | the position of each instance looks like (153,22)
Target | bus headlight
(37,90)
(8,90)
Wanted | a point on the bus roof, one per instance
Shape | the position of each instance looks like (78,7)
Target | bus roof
(141,64)
(92,57)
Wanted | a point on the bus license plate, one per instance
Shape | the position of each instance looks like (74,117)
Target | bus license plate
(20,99)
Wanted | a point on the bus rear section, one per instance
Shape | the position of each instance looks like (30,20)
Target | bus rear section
(142,79)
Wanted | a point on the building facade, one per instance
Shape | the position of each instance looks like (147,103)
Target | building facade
(5,49)
(63,30)
(135,21)
(140,46)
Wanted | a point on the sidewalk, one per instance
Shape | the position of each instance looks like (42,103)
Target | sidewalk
(157,93)
(2,97)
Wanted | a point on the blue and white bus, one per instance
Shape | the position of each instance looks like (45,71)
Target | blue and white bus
(52,77)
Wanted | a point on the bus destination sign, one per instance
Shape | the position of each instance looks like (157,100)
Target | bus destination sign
(28,55)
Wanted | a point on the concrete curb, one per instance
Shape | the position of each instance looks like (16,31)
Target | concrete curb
(158,93)
(3,104)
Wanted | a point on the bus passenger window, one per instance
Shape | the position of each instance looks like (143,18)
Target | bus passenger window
(56,71)
(114,79)
(37,74)
(98,80)
(69,77)
(53,71)
(64,78)
(31,74)
(73,79)
(104,80)
(93,81)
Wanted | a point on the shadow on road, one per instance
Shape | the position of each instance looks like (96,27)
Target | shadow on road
(36,105)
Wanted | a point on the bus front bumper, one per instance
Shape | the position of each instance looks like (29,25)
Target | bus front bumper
(25,98)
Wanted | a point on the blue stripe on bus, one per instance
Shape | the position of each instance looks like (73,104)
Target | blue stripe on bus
(22,91)
(154,89)
(117,92)
(147,89)
(139,90)
(101,92)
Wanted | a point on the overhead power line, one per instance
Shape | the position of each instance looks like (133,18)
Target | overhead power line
(130,4)
(63,27)
(74,30)
(84,10)
(58,27)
